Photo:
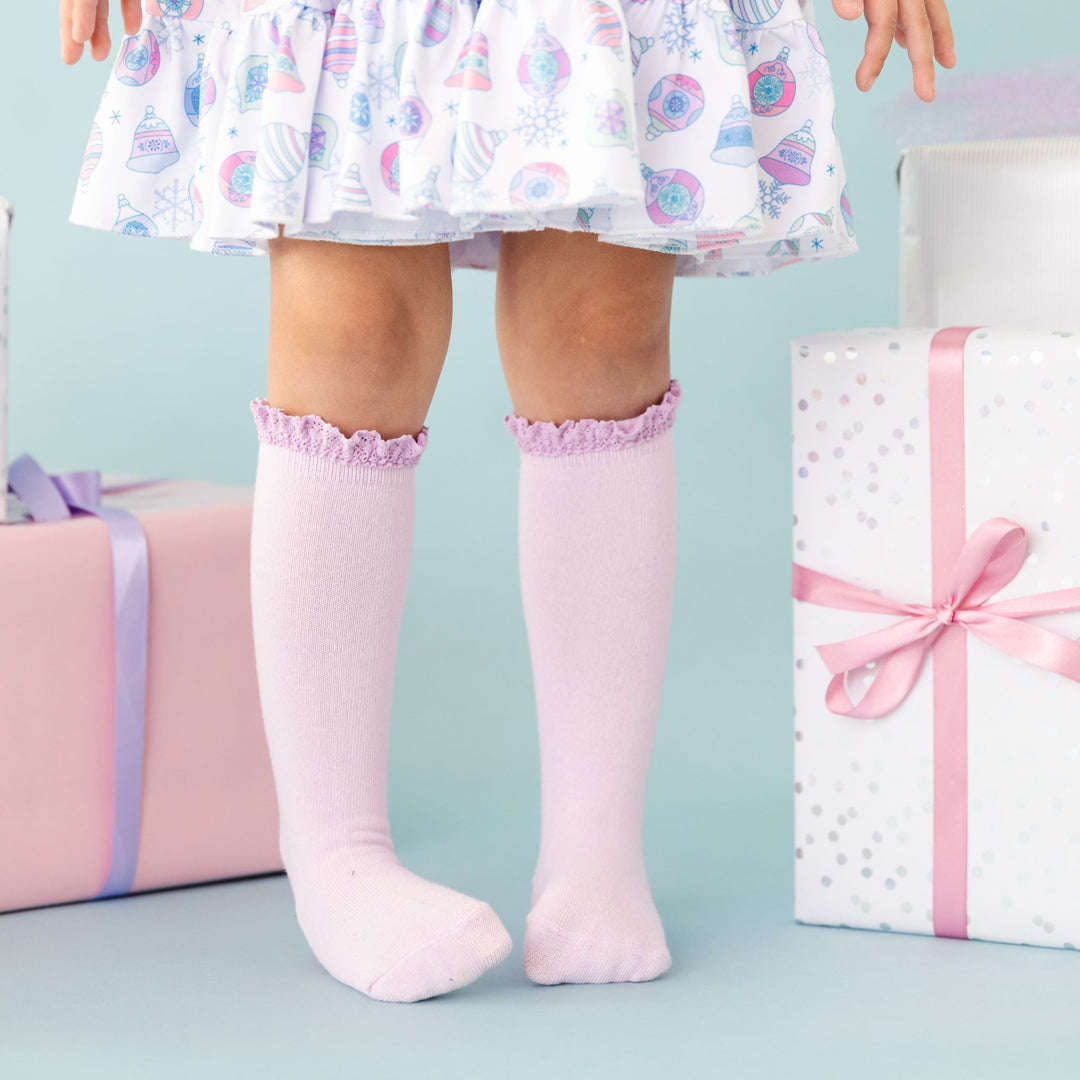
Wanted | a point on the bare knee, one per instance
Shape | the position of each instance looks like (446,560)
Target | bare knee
(358,336)
(583,327)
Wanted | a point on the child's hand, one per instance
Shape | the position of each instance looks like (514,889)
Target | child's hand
(920,26)
(88,20)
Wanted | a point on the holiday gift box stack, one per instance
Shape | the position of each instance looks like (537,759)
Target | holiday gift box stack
(132,753)
(936,588)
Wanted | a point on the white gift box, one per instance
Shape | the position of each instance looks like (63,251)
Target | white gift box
(988,233)
(905,443)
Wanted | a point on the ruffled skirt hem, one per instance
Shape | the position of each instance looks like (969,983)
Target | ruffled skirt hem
(654,124)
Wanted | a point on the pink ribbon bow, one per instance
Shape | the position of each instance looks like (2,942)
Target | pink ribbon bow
(988,561)
(966,572)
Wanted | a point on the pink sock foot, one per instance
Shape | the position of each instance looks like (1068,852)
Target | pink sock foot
(596,531)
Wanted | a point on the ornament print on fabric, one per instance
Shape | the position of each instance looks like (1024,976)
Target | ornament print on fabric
(701,128)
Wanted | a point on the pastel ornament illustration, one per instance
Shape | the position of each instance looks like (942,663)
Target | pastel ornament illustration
(413,120)
(236,178)
(756,12)
(791,160)
(153,147)
(728,43)
(200,92)
(132,222)
(672,196)
(370,26)
(812,224)
(544,66)
(339,54)
(176,9)
(472,151)
(675,102)
(772,86)
(638,46)
(350,193)
(735,140)
(471,70)
(390,167)
(138,60)
(608,123)
(602,26)
(324,134)
(539,185)
(252,75)
(91,156)
(845,212)
(196,203)
(815,38)
(784,247)
(283,74)
(438,16)
(425,194)
(282,153)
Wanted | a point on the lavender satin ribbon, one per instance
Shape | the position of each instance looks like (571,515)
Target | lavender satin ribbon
(52,497)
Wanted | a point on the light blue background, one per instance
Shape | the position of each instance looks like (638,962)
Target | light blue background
(141,357)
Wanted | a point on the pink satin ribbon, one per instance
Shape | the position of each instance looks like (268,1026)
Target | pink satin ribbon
(966,574)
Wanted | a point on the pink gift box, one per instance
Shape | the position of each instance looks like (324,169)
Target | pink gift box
(208,807)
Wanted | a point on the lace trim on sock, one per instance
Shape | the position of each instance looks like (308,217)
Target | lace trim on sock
(311,434)
(576,436)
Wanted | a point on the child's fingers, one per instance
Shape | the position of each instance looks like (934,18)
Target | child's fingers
(70,49)
(881,17)
(101,43)
(848,9)
(83,19)
(941,25)
(920,45)
(132,14)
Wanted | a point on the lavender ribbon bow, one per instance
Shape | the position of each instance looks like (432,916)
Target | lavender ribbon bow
(52,497)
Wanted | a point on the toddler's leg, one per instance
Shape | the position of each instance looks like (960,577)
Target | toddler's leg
(358,338)
(583,333)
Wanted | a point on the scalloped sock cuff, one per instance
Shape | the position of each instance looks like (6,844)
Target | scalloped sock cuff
(596,534)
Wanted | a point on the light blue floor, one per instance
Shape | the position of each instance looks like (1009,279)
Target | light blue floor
(216,981)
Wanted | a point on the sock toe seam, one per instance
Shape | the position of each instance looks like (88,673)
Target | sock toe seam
(533,920)
(456,928)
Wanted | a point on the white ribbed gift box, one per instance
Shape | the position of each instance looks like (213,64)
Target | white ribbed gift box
(865,788)
(990,233)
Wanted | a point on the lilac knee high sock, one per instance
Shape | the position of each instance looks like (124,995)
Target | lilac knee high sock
(331,547)
(596,531)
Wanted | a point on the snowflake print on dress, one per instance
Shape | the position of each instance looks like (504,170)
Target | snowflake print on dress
(772,198)
(284,201)
(540,122)
(382,82)
(169,32)
(815,78)
(678,32)
(173,205)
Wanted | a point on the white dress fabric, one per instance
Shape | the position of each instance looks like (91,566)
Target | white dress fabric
(704,128)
